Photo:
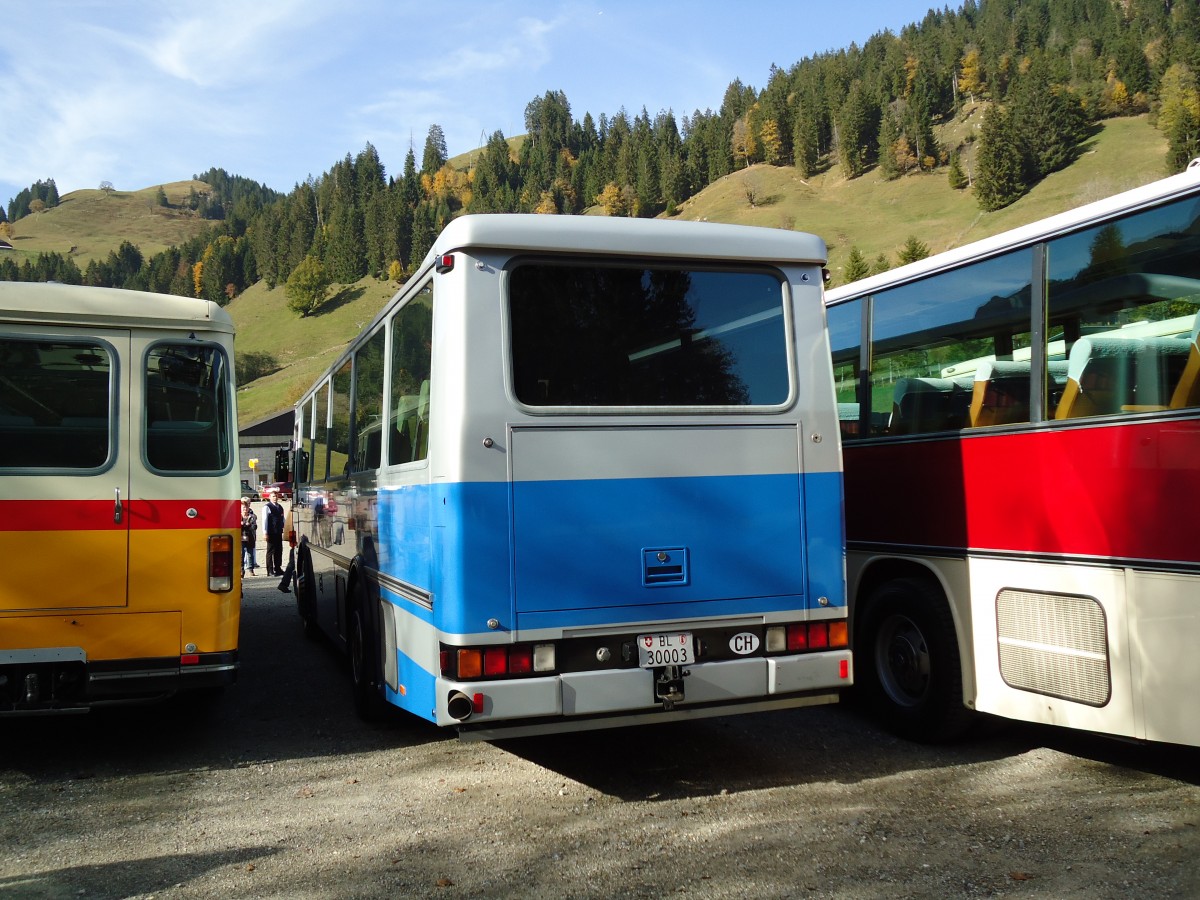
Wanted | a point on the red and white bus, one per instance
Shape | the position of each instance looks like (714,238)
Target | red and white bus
(1021,438)
(119,522)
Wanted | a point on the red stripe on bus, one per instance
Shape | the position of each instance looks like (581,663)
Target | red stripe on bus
(98,515)
(1118,491)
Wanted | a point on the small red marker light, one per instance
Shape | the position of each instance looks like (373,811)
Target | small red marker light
(445,263)
(477,703)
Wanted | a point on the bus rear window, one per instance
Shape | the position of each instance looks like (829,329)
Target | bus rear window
(187,418)
(591,334)
(55,404)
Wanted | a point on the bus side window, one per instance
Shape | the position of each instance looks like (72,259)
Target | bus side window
(412,355)
(929,404)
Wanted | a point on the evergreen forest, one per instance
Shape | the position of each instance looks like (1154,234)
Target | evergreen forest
(1044,72)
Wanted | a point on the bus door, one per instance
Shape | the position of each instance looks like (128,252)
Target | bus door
(65,449)
(662,516)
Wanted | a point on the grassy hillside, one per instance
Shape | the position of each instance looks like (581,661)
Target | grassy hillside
(302,348)
(88,224)
(878,216)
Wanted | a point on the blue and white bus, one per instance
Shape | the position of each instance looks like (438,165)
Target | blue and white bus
(582,472)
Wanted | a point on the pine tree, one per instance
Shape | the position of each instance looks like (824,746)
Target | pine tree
(889,136)
(854,132)
(435,155)
(856,266)
(956,175)
(913,249)
(998,170)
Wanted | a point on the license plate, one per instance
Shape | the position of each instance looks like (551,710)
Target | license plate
(672,648)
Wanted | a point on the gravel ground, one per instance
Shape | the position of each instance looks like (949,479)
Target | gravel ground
(277,790)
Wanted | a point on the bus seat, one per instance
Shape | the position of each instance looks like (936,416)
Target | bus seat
(1160,367)
(1187,389)
(1000,393)
(1098,372)
(923,405)
(1114,374)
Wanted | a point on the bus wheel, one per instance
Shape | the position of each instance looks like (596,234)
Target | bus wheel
(306,603)
(364,668)
(912,677)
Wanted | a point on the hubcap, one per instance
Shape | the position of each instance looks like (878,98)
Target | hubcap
(902,660)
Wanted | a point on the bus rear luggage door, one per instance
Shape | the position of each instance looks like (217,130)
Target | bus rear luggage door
(596,510)
(65,532)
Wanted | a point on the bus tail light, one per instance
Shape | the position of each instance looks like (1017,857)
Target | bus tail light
(495,661)
(465,663)
(801,636)
(220,563)
(470,663)
(543,658)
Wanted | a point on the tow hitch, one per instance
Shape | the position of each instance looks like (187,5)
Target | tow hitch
(668,686)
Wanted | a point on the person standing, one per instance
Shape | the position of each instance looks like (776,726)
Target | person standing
(273,524)
(249,537)
(289,574)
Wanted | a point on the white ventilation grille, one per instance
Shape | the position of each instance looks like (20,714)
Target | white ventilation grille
(1053,644)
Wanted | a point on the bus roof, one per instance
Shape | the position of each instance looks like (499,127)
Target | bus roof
(67,304)
(1043,229)
(629,237)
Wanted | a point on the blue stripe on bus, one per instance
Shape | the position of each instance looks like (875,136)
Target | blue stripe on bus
(578,555)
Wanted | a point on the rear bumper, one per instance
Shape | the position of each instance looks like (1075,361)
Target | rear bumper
(615,698)
(62,680)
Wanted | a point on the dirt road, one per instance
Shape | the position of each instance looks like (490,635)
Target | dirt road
(279,791)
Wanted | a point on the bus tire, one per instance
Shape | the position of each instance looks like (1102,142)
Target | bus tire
(306,602)
(364,667)
(911,672)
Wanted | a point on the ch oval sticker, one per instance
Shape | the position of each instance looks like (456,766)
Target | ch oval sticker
(743,643)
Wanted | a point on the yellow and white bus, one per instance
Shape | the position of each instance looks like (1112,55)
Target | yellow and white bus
(119,496)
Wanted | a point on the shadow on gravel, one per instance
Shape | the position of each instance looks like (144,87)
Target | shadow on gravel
(807,746)
(741,753)
(292,701)
(154,874)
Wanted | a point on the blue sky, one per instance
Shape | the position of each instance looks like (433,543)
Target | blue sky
(144,92)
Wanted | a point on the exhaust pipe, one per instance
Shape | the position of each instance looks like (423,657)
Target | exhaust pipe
(459,706)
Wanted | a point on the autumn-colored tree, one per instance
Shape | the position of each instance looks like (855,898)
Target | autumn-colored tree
(613,200)
(1179,115)
(970,73)
(395,271)
(771,142)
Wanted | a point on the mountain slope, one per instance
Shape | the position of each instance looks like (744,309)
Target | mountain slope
(88,224)
(878,216)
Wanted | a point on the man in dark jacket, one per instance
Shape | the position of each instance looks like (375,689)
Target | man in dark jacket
(273,513)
